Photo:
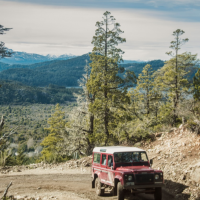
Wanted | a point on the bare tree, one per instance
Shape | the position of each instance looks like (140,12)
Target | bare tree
(81,127)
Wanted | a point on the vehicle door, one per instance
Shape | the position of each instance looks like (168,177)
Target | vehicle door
(96,164)
(103,168)
(110,171)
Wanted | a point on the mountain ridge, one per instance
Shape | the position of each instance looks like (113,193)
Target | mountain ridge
(60,72)
(24,58)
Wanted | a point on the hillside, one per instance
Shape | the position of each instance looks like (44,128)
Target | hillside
(176,152)
(62,73)
(59,72)
(12,92)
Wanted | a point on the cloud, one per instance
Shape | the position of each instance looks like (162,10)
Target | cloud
(60,30)
(182,10)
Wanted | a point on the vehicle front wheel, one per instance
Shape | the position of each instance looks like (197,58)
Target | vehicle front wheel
(98,188)
(158,194)
(120,191)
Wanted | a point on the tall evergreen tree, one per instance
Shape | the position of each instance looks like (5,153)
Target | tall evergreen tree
(173,77)
(54,145)
(176,44)
(105,80)
(174,81)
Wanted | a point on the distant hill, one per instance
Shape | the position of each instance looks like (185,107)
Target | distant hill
(138,67)
(12,92)
(31,58)
(59,72)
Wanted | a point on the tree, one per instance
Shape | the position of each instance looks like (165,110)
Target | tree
(106,79)
(172,77)
(176,44)
(4,52)
(174,81)
(81,122)
(54,145)
(146,91)
(4,137)
(196,84)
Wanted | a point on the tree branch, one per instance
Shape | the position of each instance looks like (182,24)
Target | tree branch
(6,191)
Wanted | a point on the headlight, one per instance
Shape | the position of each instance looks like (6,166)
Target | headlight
(130,178)
(156,176)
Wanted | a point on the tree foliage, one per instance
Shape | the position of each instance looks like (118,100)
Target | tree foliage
(53,144)
(105,82)
(196,85)
(4,52)
(172,77)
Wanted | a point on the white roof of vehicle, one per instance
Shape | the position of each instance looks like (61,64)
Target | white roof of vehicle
(115,149)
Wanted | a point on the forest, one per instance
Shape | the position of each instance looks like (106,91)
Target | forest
(16,93)
(58,72)
(117,105)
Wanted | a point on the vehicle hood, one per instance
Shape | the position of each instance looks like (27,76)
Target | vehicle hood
(135,169)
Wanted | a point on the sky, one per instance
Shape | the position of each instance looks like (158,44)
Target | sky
(67,26)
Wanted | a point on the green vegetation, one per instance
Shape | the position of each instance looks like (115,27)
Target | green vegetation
(57,72)
(29,123)
(54,143)
(105,83)
(196,85)
(106,112)
(16,93)
(60,72)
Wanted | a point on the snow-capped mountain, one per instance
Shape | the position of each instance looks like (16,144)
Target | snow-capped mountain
(31,58)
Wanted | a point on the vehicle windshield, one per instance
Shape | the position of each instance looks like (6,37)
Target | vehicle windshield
(130,157)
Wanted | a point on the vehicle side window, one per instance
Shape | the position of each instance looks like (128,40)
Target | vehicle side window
(144,157)
(96,157)
(103,161)
(110,161)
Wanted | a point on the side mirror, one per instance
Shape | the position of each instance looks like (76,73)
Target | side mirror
(151,161)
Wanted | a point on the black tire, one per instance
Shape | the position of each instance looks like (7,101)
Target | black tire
(98,185)
(158,194)
(114,192)
(120,191)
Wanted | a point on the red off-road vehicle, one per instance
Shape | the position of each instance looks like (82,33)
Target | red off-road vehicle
(125,168)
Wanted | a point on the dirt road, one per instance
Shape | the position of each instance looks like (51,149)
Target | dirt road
(57,184)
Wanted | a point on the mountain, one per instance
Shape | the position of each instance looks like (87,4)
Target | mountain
(57,72)
(60,72)
(31,58)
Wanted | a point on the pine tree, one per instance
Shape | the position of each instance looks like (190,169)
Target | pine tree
(54,145)
(146,92)
(144,106)
(105,82)
(174,81)
(173,76)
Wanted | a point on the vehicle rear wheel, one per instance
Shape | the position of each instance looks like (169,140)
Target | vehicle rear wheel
(120,191)
(158,194)
(98,188)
